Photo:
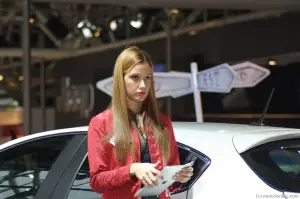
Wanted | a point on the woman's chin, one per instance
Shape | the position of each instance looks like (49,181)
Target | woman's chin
(140,99)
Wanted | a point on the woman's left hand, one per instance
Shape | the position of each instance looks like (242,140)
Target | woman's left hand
(184,175)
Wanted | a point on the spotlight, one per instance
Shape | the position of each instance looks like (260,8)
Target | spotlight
(31,20)
(88,29)
(137,21)
(174,11)
(116,23)
(272,62)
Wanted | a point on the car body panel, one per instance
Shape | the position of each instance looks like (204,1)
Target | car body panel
(246,141)
(42,134)
(200,132)
(222,143)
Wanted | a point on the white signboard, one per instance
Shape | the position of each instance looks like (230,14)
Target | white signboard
(106,85)
(249,74)
(219,79)
(175,84)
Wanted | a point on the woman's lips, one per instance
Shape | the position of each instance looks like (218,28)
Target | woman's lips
(141,93)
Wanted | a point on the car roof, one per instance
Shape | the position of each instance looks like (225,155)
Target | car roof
(44,134)
(243,137)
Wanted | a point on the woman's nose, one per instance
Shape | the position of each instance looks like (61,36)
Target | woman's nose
(142,84)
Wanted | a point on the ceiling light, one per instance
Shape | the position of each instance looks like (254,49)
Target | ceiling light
(136,24)
(88,29)
(137,21)
(113,25)
(175,11)
(272,62)
(87,33)
(31,20)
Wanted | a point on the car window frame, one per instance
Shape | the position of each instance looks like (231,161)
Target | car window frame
(60,166)
(65,182)
(199,155)
(40,138)
(53,176)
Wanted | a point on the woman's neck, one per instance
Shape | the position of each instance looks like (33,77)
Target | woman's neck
(134,106)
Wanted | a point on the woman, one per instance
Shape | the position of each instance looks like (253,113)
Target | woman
(131,142)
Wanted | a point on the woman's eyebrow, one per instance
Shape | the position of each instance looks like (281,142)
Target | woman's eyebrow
(134,74)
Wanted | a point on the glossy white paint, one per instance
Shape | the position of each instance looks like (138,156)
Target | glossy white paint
(228,176)
(42,134)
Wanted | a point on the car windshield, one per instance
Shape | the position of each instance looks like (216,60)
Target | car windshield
(277,163)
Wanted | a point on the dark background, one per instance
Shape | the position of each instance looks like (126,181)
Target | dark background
(209,48)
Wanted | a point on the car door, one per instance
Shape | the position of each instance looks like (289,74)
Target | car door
(75,182)
(33,165)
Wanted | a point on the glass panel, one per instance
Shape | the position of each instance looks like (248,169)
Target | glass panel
(24,168)
(277,163)
(81,186)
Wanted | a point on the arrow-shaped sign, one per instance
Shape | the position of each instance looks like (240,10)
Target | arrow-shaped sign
(249,74)
(106,85)
(219,79)
(172,83)
(176,84)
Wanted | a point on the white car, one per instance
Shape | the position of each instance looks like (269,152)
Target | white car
(231,161)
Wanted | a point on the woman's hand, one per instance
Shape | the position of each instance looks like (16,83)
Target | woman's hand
(184,175)
(146,172)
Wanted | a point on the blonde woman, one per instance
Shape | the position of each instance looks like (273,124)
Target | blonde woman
(131,142)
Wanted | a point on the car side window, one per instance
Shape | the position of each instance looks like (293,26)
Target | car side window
(81,186)
(277,164)
(23,168)
(202,162)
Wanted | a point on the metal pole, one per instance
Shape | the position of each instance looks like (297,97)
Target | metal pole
(26,68)
(197,93)
(42,84)
(169,59)
(42,94)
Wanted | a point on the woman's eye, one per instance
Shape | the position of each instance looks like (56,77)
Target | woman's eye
(134,77)
(148,78)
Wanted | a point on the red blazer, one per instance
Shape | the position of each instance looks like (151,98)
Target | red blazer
(110,178)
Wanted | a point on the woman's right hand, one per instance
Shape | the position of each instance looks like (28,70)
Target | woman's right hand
(146,172)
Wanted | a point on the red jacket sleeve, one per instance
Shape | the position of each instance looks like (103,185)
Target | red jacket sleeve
(102,178)
(174,155)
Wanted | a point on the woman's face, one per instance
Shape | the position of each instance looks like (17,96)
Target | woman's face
(138,82)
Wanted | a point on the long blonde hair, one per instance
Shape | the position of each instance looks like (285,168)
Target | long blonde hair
(121,124)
